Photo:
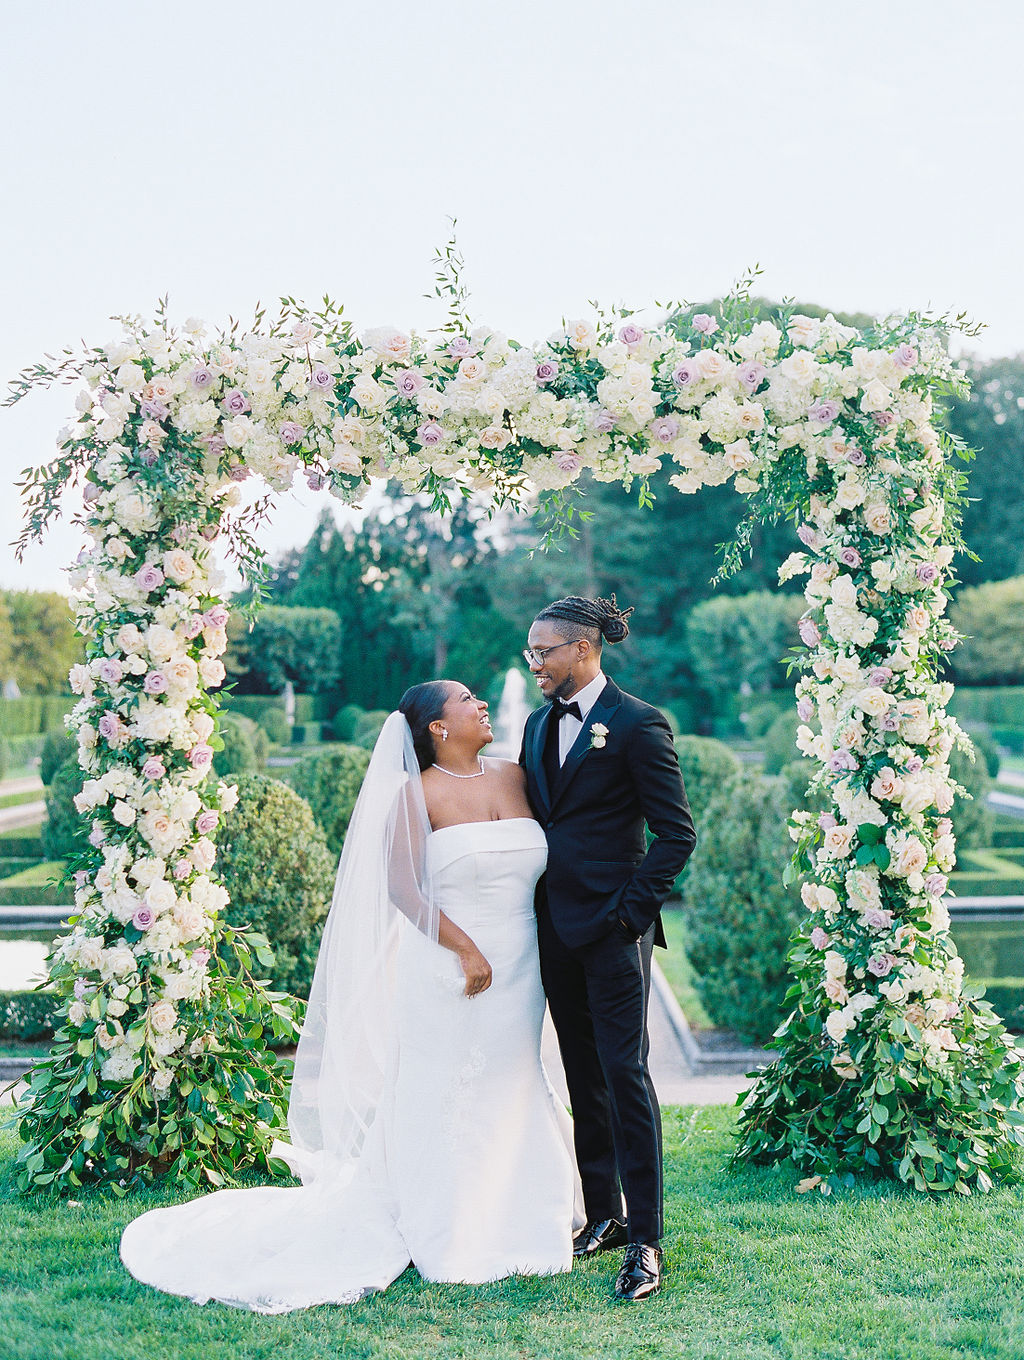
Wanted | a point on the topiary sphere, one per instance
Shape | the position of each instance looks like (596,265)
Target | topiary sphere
(275,863)
(330,783)
(708,767)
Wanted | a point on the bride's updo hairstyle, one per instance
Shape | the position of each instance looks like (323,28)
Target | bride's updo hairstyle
(421,705)
(577,617)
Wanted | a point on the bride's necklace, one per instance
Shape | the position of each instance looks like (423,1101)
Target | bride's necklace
(454,775)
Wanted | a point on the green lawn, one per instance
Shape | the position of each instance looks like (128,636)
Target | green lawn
(754,1271)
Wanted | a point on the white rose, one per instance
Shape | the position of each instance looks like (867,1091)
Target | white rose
(873,701)
(837,841)
(162,1016)
(877,517)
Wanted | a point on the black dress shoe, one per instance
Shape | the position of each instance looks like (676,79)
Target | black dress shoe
(640,1276)
(601,1235)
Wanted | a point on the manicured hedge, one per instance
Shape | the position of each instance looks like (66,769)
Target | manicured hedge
(22,844)
(34,713)
(1000,705)
(28,1015)
(307,734)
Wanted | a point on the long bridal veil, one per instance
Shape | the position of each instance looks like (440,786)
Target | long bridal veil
(347,1041)
(334,1238)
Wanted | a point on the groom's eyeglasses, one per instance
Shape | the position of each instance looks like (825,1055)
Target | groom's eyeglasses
(535,656)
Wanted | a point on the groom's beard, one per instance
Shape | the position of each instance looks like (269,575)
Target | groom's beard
(567,687)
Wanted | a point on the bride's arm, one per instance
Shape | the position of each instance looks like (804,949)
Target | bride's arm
(406,866)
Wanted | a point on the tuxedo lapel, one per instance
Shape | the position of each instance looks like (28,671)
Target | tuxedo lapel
(535,756)
(602,711)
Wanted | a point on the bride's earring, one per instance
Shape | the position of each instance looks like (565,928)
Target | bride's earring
(444,734)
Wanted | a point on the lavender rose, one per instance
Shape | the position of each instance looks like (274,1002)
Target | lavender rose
(408,382)
(321,379)
(824,412)
(149,577)
(905,357)
(430,433)
(546,371)
(154,768)
(665,429)
(880,965)
(236,403)
(200,756)
(155,683)
(143,917)
(685,374)
(291,432)
(927,572)
(809,634)
(704,323)
(850,557)
(631,334)
(751,374)
(201,377)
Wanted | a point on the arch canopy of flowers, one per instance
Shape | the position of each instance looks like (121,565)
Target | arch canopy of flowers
(886,1062)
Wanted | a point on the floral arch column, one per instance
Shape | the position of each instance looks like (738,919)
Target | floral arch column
(885,1061)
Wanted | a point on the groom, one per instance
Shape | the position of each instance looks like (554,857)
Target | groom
(599,765)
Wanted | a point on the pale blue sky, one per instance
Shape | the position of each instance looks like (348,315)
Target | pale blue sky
(867,155)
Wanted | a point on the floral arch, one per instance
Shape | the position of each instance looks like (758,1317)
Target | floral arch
(886,1060)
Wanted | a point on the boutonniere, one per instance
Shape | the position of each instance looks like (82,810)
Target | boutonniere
(598,736)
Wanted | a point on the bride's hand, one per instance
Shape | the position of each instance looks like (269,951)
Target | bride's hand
(476,968)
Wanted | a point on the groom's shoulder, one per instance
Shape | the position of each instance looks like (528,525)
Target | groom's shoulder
(637,709)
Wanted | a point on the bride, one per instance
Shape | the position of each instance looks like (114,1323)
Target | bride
(421,1120)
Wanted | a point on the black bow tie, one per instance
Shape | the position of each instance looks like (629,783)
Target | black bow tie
(564,710)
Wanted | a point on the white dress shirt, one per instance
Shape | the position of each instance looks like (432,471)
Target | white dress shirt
(568,728)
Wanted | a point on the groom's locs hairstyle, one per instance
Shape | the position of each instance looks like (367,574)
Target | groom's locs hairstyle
(577,617)
(421,705)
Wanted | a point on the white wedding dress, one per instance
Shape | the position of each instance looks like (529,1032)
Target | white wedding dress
(466,1170)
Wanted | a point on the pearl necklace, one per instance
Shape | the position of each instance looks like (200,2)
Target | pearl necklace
(462,776)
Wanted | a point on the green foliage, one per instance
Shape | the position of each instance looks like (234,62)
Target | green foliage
(65,829)
(33,714)
(26,1016)
(972,819)
(1001,705)
(300,645)
(988,752)
(38,642)
(368,727)
(991,419)
(59,746)
(345,722)
(216,1122)
(708,767)
(330,783)
(275,723)
(945,1127)
(743,636)
(779,743)
(989,616)
(245,747)
(739,915)
(274,861)
(5,756)
(759,715)
(1006,997)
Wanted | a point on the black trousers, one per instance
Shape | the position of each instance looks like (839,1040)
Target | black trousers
(598,997)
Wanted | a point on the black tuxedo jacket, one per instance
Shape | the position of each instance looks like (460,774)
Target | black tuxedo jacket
(599,866)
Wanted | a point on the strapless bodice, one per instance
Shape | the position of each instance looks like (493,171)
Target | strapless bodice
(484,867)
